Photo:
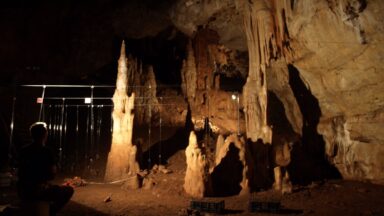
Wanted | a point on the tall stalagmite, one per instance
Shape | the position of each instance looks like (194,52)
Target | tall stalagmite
(122,156)
(196,181)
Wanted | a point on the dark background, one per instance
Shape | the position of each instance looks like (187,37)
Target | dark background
(76,42)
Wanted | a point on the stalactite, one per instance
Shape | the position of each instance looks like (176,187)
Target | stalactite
(122,156)
(255,91)
(267,37)
(188,74)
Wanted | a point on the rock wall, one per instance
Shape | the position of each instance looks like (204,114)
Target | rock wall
(339,57)
(266,39)
(333,48)
(201,85)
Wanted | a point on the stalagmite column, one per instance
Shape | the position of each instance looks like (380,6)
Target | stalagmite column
(196,181)
(122,156)
(258,24)
(188,74)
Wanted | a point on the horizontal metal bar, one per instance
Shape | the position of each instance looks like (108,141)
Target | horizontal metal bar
(93,86)
(96,98)
(95,105)
(71,86)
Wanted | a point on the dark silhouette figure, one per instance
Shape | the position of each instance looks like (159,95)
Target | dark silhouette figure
(36,168)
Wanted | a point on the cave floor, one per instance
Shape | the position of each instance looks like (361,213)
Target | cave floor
(334,197)
(331,198)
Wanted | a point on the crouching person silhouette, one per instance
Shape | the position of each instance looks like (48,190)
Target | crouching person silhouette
(36,168)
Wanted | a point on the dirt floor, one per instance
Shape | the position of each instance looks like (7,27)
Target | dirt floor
(166,197)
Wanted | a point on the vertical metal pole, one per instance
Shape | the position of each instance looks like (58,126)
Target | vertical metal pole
(42,102)
(77,135)
(160,130)
(92,125)
(65,122)
(61,133)
(49,120)
(149,132)
(10,149)
(111,119)
(98,127)
(86,146)
(238,114)
(149,138)
(65,131)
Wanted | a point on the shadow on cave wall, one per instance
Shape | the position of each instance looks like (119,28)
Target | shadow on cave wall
(261,173)
(167,147)
(227,176)
(263,155)
(309,162)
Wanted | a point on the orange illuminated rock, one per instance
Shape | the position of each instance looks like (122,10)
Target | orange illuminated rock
(122,160)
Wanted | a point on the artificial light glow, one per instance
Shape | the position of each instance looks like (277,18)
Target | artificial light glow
(87,100)
(234,97)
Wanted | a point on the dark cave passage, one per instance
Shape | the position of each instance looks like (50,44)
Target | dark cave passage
(226,177)
(308,159)
(262,170)
(166,147)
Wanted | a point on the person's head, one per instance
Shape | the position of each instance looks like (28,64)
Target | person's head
(39,132)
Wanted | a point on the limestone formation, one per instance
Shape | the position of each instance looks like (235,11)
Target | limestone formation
(278,84)
(200,75)
(341,67)
(196,181)
(282,158)
(333,45)
(188,74)
(122,156)
(264,43)
(222,151)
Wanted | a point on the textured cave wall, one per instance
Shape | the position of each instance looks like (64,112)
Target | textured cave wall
(322,60)
(332,45)
(206,65)
(338,53)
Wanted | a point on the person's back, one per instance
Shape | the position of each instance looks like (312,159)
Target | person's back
(36,168)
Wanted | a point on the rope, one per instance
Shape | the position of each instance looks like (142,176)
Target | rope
(111,182)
